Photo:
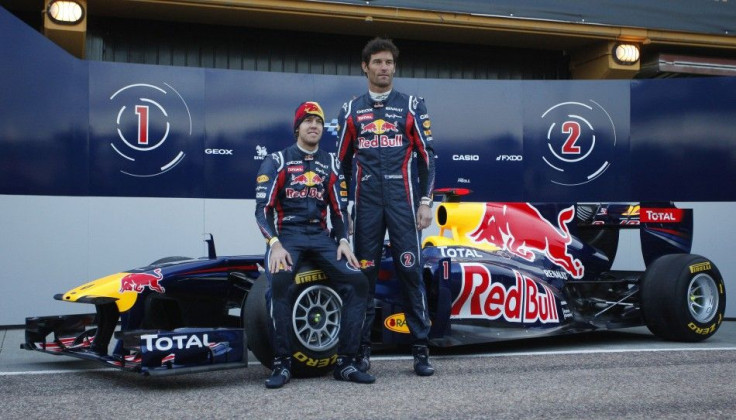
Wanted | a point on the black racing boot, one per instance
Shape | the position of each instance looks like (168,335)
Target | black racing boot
(345,370)
(422,367)
(363,358)
(281,372)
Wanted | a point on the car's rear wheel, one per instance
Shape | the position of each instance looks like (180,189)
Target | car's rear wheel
(315,323)
(683,297)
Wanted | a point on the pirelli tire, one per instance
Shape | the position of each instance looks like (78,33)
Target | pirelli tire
(255,321)
(315,327)
(683,297)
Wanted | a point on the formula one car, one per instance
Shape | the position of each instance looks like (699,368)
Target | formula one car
(496,271)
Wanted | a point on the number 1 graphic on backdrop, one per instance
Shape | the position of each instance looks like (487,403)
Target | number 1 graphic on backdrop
(142,112)
(144,125)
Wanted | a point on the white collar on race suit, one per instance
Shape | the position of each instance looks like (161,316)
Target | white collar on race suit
(308,152)
(379,97)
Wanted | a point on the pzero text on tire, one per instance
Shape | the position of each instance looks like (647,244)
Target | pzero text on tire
(683,297)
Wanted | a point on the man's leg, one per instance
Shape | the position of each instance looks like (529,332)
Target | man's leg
(352,286)
(370,230)
(406,252)
(281,320)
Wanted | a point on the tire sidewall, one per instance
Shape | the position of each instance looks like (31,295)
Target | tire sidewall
(665,295)
(702,330)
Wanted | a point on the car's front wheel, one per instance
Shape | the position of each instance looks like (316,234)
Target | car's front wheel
(315,325)
(683,297)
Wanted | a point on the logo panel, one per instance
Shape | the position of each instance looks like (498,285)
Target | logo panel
(152,123)
(580,142)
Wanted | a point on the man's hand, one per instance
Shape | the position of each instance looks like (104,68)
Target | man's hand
(343,249)
(424,216)
(280,259)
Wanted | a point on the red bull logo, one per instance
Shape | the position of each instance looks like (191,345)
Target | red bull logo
(380,141)
(379,127)
(312,107)
(308,108)
(311,192)
(137,282)
(525,301)
(309,179)
(367,264)
(520,229)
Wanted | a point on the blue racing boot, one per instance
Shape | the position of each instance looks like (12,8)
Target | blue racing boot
(422,367)
(281,372)
(345,370)
(363,358)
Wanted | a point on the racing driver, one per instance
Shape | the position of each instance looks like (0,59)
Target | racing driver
(294,189)
(388,134)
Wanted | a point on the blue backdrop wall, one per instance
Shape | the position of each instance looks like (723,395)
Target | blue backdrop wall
(78,128)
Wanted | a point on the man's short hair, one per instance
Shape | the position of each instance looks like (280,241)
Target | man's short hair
(377,45)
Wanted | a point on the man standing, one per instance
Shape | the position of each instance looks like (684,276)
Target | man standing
(294,189)
(389,135)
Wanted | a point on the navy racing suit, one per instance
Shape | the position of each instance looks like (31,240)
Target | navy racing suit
(293,192)
(391,144)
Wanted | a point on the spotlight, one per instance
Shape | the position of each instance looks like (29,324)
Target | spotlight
(65,12)
(626,54)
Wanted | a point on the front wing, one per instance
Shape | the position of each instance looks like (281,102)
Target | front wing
(183,350)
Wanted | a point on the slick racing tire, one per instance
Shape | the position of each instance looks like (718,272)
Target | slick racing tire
(256,322)
(315,325)
(683,297)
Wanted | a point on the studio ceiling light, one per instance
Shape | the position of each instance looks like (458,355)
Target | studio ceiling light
(626,53)
(65,12)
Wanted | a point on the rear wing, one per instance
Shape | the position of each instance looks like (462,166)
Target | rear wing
(663,228)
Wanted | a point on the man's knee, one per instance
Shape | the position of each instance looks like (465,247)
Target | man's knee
(280,283)
(357,282)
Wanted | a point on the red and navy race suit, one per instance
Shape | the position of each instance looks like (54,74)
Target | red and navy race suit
(391,144)
(293,192)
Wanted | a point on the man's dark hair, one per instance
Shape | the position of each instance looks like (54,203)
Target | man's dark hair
(377,45)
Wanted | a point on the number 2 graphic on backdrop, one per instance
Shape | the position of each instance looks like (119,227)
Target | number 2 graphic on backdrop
(580,140)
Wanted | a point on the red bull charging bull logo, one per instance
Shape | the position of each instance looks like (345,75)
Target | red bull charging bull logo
(367,264)
(137,282)
(309,179)
(312,181)
(379,127)
(520,229)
